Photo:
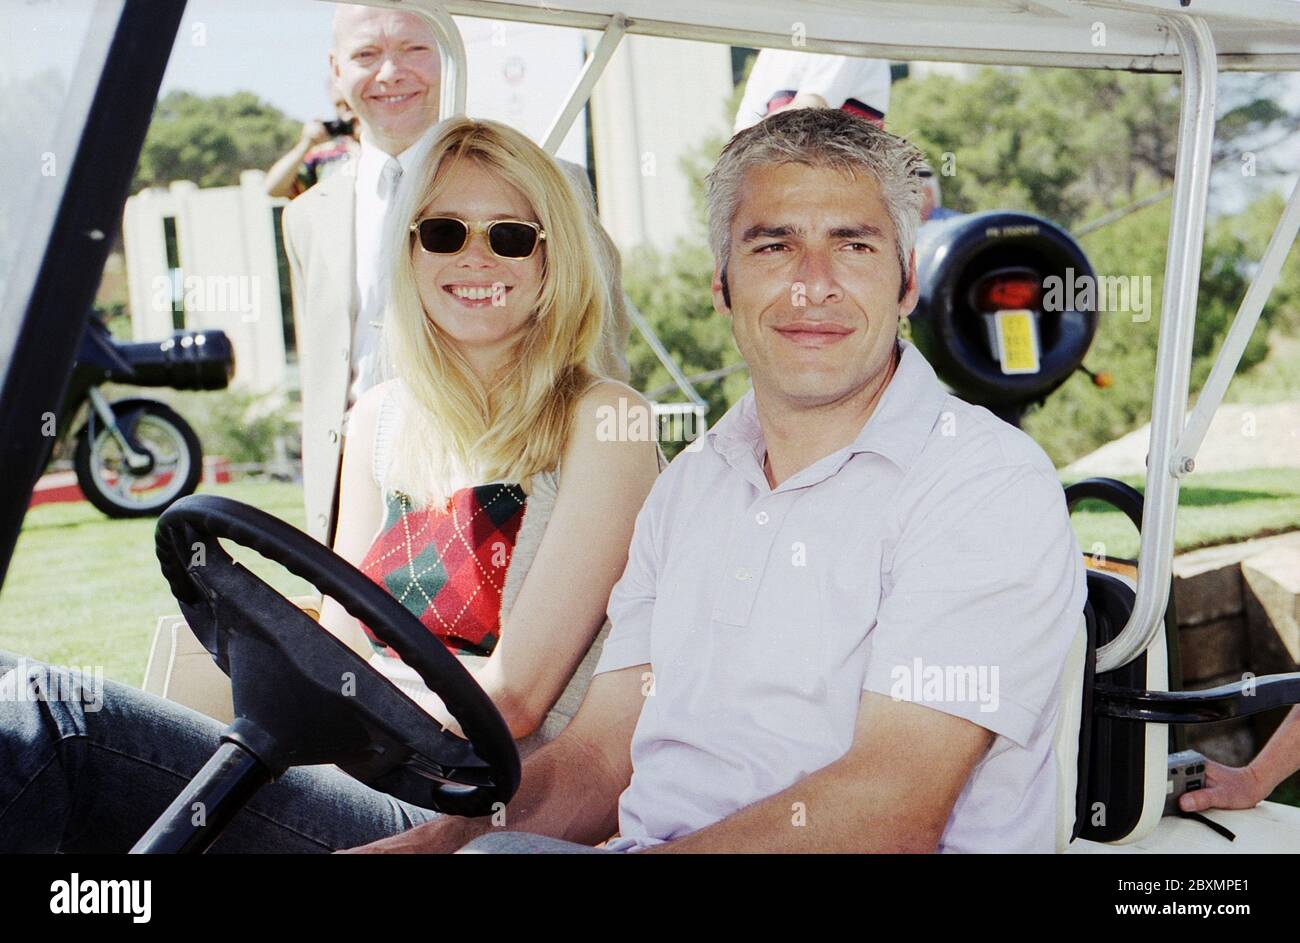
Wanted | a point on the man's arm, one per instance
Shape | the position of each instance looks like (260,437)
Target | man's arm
(570,787)
(282,176)
(893,791)
(1228,787)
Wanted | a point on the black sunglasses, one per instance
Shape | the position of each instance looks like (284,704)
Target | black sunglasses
(507,238)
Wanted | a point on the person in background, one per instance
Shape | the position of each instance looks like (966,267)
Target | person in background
(1233,787)
(784,79)
(323,149)
(932,208)
(387,67)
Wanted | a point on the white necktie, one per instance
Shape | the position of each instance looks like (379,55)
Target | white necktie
(388,178)
(385,190)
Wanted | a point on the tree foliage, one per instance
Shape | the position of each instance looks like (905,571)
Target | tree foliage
(210,140)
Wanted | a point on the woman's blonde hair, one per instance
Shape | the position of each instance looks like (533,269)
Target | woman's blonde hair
(455,428)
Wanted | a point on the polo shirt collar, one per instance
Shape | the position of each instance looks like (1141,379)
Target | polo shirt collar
(897,429)
(906,413)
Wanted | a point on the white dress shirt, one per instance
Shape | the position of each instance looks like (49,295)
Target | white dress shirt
(937,540)
(378,176)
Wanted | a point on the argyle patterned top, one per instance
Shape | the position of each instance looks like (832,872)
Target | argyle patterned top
(447,565)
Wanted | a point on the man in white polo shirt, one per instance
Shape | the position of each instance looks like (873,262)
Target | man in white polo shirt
(844,618)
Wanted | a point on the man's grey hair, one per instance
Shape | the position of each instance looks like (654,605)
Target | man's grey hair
(818,137)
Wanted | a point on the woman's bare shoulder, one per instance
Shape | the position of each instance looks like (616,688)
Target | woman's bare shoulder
(364,416)
(610,393)
(613,422)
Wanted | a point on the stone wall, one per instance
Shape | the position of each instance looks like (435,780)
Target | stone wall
(1237,613)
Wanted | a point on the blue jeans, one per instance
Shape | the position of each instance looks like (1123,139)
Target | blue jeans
(92,777)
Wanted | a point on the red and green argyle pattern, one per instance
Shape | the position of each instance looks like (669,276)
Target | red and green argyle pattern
(447,565)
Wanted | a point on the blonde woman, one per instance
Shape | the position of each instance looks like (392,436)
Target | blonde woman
(475,487)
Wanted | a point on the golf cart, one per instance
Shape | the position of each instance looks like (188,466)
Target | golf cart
(1113,736)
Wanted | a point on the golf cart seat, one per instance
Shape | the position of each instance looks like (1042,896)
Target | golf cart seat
(1114,771)
(182,670)
(1111,773)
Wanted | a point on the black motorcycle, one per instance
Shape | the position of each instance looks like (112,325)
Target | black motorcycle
(134,457)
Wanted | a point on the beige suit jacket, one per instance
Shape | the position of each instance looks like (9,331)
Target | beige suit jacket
(320,244)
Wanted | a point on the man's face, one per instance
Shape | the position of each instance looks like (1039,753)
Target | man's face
(814,283)
(387,67)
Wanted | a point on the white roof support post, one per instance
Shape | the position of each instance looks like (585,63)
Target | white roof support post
(586,81)
(455,72)
(1174,350)
(1243,325)
(660,351)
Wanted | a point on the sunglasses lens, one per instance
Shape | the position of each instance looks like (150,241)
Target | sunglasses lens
(442,235)
(512,240)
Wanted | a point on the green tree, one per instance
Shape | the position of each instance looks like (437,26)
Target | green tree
(1066,144)
(211,140)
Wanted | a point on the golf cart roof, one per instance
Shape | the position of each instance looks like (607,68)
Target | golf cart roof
(1262,35)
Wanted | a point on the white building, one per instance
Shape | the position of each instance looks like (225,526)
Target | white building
(211,259)
(657,101)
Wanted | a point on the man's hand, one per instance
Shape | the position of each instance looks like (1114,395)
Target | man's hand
(802,100)
(313,133)
(1226,787)
(570,787)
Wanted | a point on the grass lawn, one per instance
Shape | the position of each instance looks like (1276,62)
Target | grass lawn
(86,590)
(1213,508)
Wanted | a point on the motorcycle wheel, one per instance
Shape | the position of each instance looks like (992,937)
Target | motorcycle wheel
(108,482)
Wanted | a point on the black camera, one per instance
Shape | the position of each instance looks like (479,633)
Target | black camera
(338,127)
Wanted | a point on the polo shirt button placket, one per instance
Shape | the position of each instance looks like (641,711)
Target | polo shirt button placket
(745,567)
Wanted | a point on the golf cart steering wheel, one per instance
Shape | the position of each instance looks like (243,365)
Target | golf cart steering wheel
(301,696)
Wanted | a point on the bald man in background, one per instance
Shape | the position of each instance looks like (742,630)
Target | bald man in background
(387,67)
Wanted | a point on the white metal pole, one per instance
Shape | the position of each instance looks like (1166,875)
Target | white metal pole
(1174,348)
(586,81)
(1243,325)
(455,73)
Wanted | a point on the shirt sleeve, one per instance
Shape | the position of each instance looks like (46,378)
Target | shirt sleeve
(632,600)
(839,78)
(982,601)
(306,178)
